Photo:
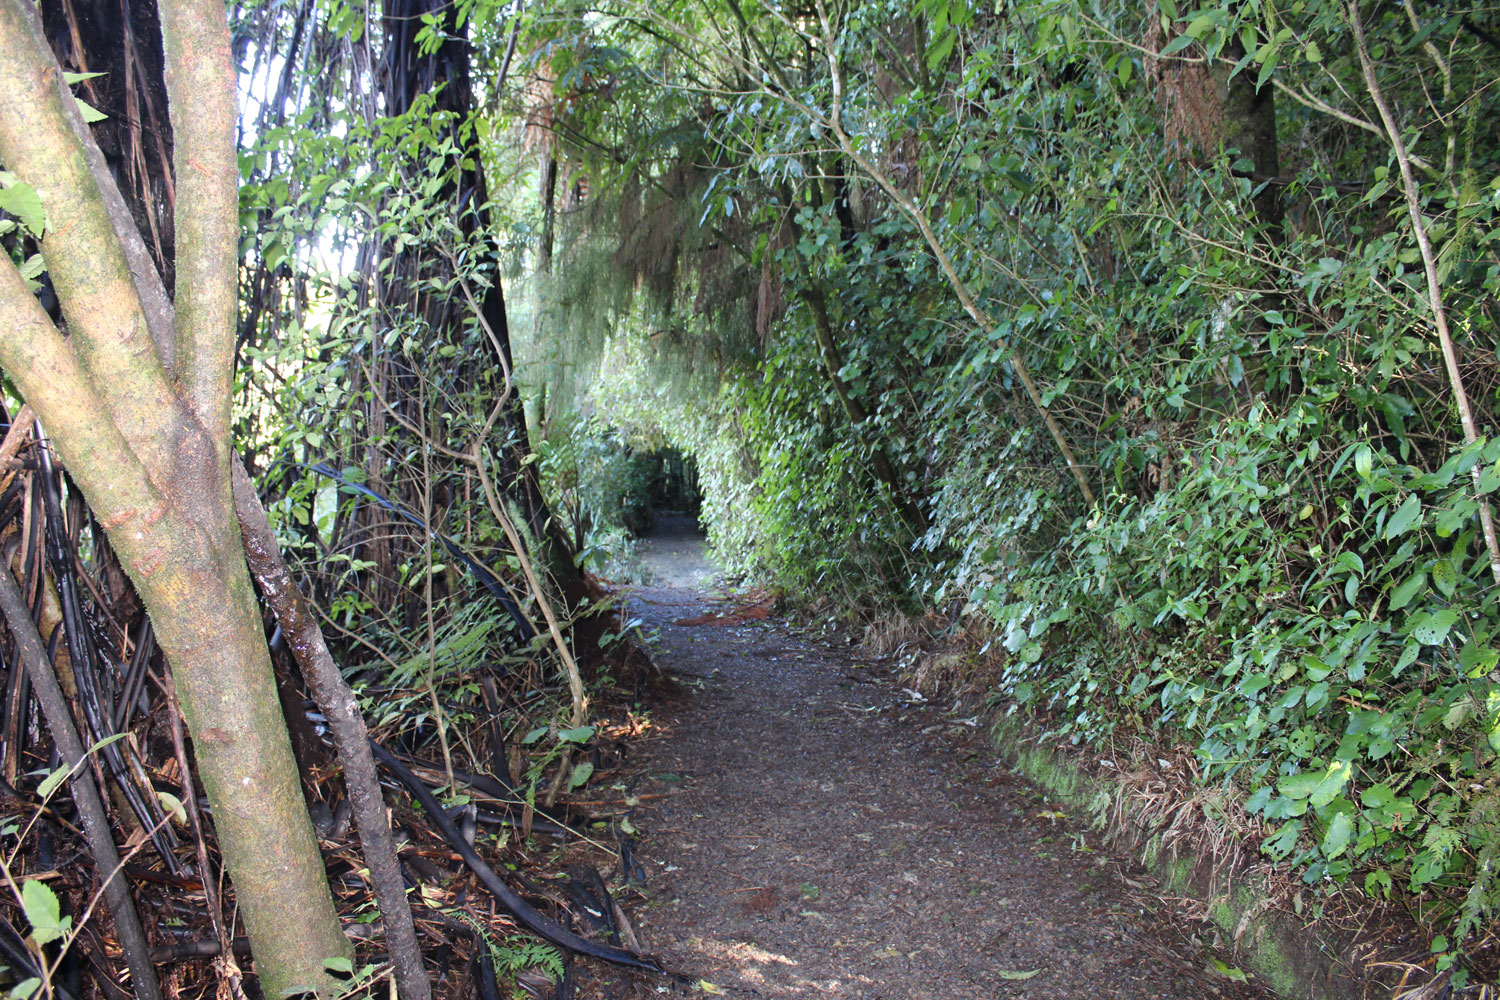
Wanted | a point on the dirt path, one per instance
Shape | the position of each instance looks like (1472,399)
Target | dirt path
(810,832)
(673,555)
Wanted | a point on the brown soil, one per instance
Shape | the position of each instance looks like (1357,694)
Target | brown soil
(809,829)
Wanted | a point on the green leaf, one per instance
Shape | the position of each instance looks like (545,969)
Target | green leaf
(32,269)
(1228,971)
(582,734)
(1331,783)
(1070,32)
(72,78)
(1408,656)
(1268,67)
(1431,627)
(1351,562)
(1376,190)
(534,735)
(44,912)
(580,776)
(1407,515)
(1489,480)
(1340,829)
(100,745)
(90,113)
(1477,660)
(26,989)
(1284,840)
(1363,462)
(22,201)
(51,782)
(1444,577)
(1013,974)
(339,963)
(1177,44)
(1413,585)
(940,49)
(1299,786)
(173,805)
(1313,53)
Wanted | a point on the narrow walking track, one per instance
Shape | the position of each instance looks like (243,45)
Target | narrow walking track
(809,832)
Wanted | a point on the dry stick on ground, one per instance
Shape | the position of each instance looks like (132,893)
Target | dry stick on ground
(575,679)
(1429,265)
(101,841)
(337,703)
(914,212)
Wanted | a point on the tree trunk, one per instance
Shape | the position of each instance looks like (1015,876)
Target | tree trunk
(410,73)
(146,437)
(1249,125)
(121,40)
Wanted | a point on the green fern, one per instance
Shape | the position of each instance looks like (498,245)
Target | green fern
(515,953)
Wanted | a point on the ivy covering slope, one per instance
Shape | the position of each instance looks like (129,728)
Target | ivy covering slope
(1225,247)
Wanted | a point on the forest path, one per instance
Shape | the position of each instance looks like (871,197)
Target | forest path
(809,831)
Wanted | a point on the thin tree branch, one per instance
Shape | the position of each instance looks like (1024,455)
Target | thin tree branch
(338,704)
(1429,266)
(201,101)
(945,263)
(570,665)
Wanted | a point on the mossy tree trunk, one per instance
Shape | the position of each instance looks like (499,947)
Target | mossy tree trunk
(138,405)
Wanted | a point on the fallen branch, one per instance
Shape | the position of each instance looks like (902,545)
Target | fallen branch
(524,911)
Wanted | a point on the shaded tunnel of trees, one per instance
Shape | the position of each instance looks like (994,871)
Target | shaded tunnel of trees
(1140,359)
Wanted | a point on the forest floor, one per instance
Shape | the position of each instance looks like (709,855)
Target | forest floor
(811,829)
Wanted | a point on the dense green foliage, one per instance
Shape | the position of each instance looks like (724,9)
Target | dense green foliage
(1285,565)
